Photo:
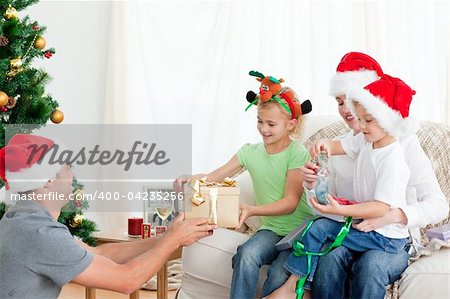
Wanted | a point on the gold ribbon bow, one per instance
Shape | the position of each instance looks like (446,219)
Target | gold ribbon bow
(197,199)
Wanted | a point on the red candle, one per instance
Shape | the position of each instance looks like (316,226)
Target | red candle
(134,226)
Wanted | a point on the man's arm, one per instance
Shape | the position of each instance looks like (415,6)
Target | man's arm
(103,272)
(122,252)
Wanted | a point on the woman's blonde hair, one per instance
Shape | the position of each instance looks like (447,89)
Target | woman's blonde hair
(297,132)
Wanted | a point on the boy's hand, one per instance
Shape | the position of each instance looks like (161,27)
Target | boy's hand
(309,171)
(320,145)
(246,212)
(333,207)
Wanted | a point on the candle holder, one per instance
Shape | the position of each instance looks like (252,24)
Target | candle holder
(134,227)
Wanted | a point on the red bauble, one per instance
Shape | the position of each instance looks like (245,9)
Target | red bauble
(4,109)
(48,54)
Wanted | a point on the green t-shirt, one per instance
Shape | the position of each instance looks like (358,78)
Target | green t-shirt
(268,174)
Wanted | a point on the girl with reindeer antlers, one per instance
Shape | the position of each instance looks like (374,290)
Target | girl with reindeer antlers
(274,165)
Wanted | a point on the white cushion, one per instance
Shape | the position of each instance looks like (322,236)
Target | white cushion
(428,277)
(210,258)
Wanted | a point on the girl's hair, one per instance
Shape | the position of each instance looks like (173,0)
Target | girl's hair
(296,133)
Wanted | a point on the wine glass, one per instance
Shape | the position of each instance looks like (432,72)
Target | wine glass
(164,209)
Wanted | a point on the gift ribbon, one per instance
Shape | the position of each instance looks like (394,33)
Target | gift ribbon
(197,199)
(299,250)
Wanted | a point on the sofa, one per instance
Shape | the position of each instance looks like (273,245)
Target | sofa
(207,264)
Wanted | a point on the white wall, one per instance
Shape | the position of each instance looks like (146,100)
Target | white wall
(79,31)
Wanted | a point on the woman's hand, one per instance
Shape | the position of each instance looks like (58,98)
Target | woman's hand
(309,171)
(246,212)
(333,207)
(395,215)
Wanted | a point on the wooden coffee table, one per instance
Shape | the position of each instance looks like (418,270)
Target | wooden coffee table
(119,236)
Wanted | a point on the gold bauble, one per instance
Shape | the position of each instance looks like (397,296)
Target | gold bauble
(57,116)
(16,63)
(39,43)
(11,103)
(76,220)
(11,13)
(3,99)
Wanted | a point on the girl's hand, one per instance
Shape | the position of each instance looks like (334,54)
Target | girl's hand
(320,145)
(178,183)
(246,212)
(309,171)
(333,207)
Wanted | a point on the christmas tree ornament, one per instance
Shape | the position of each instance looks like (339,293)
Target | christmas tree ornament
(57,116)
(11,103)
(35,27)
(40,43)
(3,98)
(15,66)
(16,63)
(3,109)
(76,221)
(48,54)
(11,13)
(4,41)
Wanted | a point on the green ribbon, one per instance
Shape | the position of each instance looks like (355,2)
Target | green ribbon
(299,250)
(274,97)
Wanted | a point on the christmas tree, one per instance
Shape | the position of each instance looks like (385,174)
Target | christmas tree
(23,100)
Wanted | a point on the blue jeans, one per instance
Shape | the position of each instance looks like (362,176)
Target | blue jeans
(259,250)
(343,273)
(324,230)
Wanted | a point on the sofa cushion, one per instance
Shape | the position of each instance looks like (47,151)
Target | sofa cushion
(216,252)
(428,277)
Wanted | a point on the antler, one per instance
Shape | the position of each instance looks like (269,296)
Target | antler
(256,74)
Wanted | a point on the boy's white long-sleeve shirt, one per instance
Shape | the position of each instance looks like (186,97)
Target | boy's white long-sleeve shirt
(426,204)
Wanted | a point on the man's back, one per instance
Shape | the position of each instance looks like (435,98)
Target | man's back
(38,255)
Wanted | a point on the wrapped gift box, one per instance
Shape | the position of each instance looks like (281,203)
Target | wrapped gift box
(216,201)
(440,232)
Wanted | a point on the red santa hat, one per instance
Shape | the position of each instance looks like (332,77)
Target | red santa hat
(387,100)
(354,69)
(24,165)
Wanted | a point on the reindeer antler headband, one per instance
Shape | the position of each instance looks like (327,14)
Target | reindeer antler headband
(271,89)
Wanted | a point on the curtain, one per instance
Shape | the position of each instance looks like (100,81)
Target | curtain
(188,62)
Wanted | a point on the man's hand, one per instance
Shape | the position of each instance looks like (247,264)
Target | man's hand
(246,212)
(333,207)
(187,232)
(309,171)
(395,215)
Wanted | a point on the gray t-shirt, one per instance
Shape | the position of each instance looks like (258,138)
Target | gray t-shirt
(38,255)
